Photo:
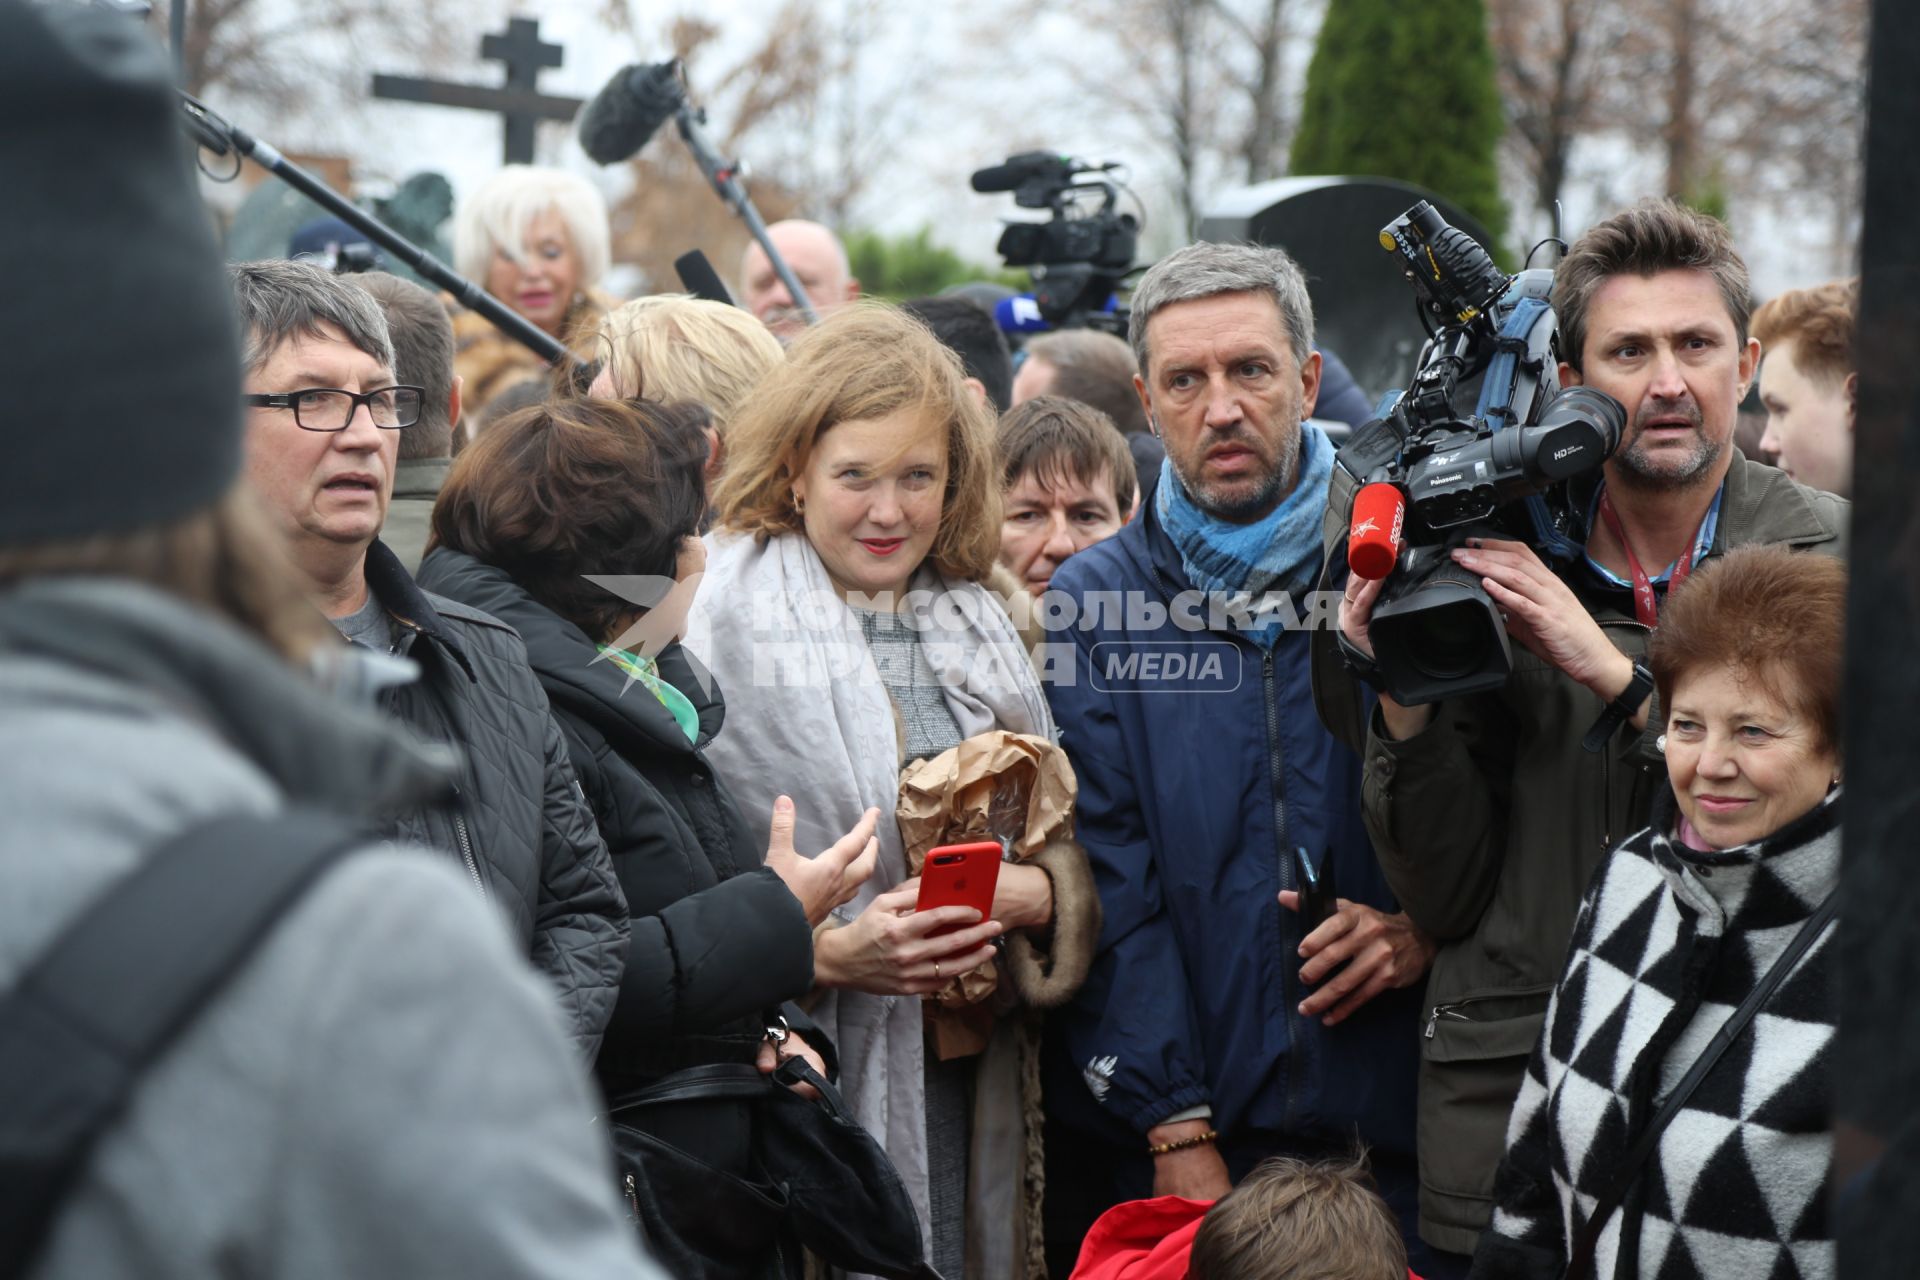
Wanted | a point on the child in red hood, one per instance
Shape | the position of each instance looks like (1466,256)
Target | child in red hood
(1288,1220)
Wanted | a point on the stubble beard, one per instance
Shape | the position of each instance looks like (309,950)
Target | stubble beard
(1219,501)
(1639,470)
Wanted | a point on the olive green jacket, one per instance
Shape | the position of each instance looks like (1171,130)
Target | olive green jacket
(1489,824)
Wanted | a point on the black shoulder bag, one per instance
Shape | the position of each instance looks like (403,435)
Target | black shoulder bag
(116,987)
(1580,1267)
(820,1181)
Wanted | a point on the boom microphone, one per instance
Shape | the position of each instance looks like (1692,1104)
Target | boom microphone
(630,110)
(699,278)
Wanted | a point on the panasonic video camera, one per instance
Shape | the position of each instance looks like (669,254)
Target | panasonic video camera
(1426,477)
(1079,257)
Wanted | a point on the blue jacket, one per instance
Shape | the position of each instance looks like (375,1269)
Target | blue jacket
(1201,765)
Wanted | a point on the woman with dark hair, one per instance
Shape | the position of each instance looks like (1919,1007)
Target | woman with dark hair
(577,523)
(1658,1132)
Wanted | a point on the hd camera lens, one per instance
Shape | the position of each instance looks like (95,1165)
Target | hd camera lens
(1448,643)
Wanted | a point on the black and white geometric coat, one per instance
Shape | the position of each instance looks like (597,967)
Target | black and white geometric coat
(1668,942)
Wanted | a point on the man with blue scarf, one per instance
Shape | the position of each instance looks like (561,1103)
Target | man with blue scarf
(1219,1027)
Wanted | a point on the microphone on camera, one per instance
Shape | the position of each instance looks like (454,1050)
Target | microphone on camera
(699,278)
(630,110)
(1018,169)
(1375,536)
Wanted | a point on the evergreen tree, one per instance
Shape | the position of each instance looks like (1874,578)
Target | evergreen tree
(913,266)
(1406,91)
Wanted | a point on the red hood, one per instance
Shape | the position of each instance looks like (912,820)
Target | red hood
(1144,1240)
(1141,1240)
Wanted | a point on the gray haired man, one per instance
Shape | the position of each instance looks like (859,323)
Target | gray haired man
(323,424)
(1219,1025)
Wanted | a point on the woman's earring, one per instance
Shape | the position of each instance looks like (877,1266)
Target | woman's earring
(799,504)
(1660,744)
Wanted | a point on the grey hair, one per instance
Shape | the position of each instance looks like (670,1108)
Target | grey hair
(280,300)
(1206,270)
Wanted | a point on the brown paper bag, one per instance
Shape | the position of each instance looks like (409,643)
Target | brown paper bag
(1014,788)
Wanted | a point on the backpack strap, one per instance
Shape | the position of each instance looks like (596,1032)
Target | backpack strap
(119,983)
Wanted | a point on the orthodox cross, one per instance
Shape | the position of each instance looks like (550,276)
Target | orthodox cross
(519,103)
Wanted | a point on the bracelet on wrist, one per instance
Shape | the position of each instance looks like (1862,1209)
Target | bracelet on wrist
(1181,1144)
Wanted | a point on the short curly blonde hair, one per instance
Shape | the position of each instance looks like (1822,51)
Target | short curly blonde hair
(673,346)
(866,360)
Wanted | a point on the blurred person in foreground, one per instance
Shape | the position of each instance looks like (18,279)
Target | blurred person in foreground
(722,921)
(672,347)
(382,1087)
(1674,933)
(818,261)
(843,612)
(538,240)
(323,427)
(422,357)
(1808,385)
(1488,812)
(1067,482)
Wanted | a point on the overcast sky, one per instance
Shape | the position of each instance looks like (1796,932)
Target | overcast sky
(981,97)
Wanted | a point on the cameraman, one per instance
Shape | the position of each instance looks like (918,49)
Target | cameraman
(1488,815)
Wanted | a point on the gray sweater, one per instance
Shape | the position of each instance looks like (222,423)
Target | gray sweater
(386,1089)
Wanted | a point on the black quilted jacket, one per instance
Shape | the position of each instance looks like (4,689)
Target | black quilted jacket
(520,825)
(718,941)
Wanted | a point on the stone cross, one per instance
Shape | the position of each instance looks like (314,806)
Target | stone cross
(519,103)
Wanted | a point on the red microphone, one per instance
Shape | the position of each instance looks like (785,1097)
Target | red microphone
(1374,540)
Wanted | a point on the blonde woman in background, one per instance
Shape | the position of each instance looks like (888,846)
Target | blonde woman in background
(673,347)
(536,239)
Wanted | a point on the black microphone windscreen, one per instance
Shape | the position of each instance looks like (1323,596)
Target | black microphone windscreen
(700,279)
(628,111)
(999,177)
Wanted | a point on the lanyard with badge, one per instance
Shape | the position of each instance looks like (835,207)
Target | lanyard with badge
(1646,606)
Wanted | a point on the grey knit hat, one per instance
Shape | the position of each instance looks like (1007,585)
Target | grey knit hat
(121,386)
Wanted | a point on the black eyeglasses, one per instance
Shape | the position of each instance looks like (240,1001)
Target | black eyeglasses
(331,409)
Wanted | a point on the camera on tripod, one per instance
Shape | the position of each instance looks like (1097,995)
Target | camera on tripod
(1079,257)
(1427,478)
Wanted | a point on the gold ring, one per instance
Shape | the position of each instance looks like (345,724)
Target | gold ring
(936,970)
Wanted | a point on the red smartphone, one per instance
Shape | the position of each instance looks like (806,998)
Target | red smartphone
(960,875)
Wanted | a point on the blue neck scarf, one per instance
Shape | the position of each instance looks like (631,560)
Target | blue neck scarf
(1280,551)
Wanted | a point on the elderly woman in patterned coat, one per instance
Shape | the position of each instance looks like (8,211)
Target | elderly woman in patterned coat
(1731,886)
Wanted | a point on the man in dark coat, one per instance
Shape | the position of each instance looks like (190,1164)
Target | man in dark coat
(323,421)
(1218,1027)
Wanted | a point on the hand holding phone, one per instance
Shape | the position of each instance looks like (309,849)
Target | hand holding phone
(1319,898)
(960,875)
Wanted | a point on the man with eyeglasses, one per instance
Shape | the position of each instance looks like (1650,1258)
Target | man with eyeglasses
(324,418)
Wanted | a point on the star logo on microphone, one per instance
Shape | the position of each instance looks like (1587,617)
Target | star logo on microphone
(1365,527)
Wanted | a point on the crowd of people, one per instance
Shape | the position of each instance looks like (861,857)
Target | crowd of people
(628,704)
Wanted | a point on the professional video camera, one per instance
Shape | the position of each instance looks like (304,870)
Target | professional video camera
(1078,258)
(1427,479)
